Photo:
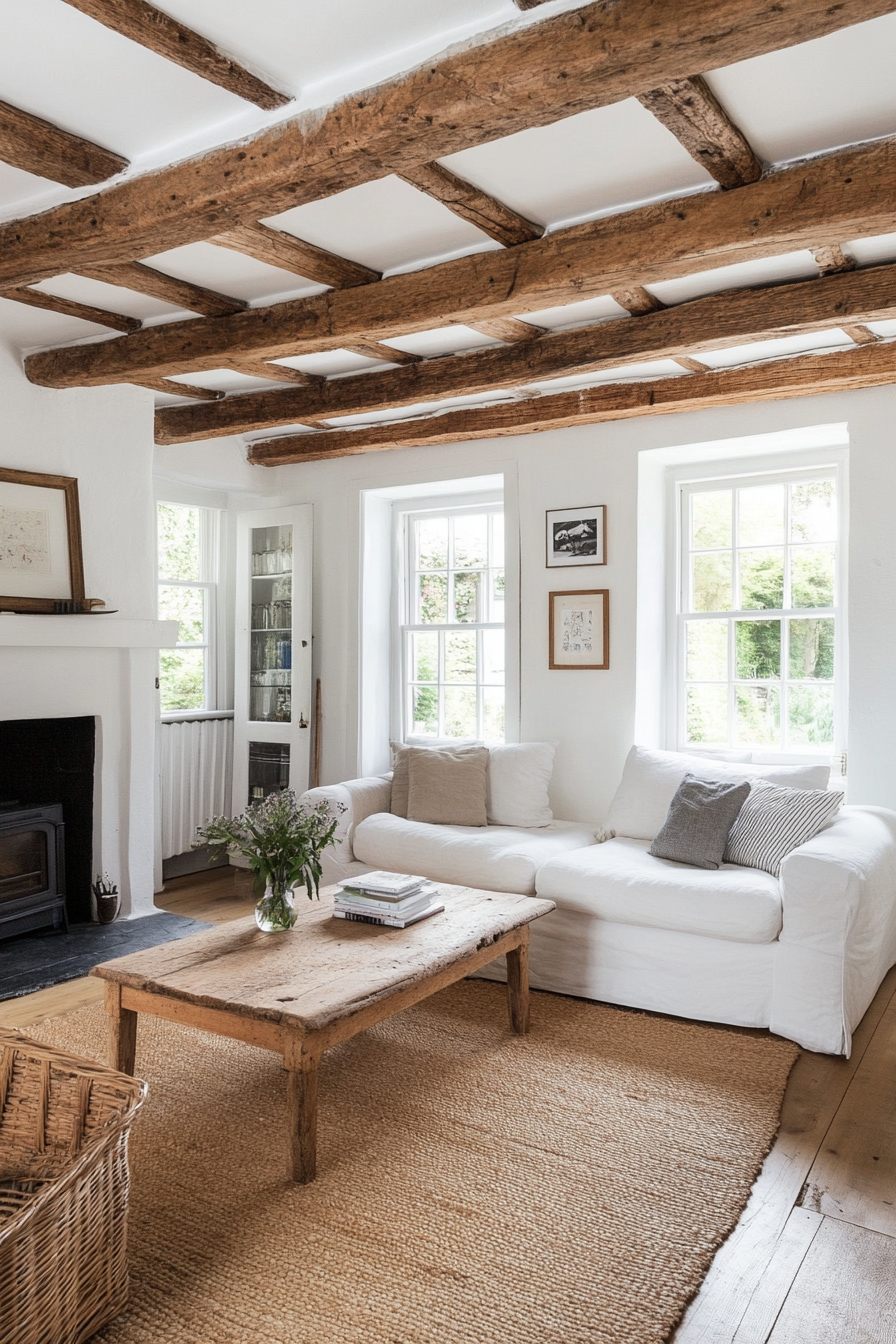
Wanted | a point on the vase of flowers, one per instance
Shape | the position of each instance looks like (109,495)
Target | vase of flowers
(283,841)
(107,899)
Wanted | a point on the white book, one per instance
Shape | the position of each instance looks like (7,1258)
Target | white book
(389,921)
(386,884)
(386,905)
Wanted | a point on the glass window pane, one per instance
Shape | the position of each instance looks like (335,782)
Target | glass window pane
(460,711)
(424,664)
(810,715)
(710,519)
(460,656)
(761,515)
(471,540)
(180,547)
(812,576)
(812,648)
(493,657)
(761,579)
(707,714)
(432,543)
(813,511)
(468,595)
(497,555)
(186,605)
(425,710)
(493,714)
(707,650)
(496,595)
(757,649)
(432,599)
(711,582)
(182,679)
(758,715)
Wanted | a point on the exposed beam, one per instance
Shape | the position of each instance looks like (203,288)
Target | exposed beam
(147,280)
(471,204)
(36,298)
(162,34)
(529,4)
(831,260)
(373,350)
(493,86)
(690,110)
(850,192)
(806,375)
(732,318)
(692,365)
(859,333)
(39,147)
(276,248)
(507,329)
(183,390)
(636,300)
(278,373)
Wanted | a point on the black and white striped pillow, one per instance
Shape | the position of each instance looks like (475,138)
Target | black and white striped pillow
(774,820)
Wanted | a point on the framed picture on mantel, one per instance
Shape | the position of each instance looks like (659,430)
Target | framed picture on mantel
(40,542)
(579,629)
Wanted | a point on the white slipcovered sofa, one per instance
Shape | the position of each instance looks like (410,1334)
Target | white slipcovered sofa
(802,954)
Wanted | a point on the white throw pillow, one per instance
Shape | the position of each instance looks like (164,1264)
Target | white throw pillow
(650,779)
(518,777)
(775,820)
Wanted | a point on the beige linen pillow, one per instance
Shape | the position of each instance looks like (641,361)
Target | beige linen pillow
(447,787)
(398,804)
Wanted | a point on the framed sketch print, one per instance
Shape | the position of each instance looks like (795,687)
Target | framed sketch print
(40,541)
(579,629)
(576,536)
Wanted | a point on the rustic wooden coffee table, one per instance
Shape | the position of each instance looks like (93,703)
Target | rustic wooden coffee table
(301,992)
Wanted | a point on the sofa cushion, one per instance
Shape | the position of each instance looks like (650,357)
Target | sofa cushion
(518,777)
(621,881)
(775,820)
(447,788)
(650,779)
(700,816)
(497,858)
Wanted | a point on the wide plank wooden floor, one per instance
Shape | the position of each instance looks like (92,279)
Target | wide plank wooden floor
(813,1258)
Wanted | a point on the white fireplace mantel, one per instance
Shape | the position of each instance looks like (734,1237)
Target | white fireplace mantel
(86,632)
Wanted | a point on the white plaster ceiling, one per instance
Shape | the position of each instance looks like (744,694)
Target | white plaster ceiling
(58,64)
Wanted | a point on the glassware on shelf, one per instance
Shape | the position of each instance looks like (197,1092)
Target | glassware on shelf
(268,769)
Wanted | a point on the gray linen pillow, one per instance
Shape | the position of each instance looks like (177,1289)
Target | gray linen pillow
(447,787)
(700,816)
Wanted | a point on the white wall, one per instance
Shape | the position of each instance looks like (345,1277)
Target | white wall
(592,714)
(104,438)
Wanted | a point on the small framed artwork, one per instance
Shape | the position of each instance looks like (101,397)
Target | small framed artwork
(40,542)
(579,629)
(576,536)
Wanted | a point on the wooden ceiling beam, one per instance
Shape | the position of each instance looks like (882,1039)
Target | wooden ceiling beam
(37,146)
(175,389)
(278,373)
(509,329)
(805,375)
(150,27)
(690,110)
(476,207)
(145,279)
(716,322)
(36,298)
(636,300)
(386,353)
(832,259)
(494,86)
(850,192)
(858,332)
(276,248)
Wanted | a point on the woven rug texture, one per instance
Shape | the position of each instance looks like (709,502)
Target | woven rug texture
(474,1187)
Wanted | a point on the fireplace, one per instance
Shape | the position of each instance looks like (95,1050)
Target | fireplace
(32,869)
(46,822)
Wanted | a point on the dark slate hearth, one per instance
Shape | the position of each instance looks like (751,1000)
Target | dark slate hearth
(38,960)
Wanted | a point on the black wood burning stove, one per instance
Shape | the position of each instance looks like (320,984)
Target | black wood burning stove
(32,869)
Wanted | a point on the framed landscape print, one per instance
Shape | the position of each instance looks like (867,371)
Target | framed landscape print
(40,542)
(576,536)
(579,629)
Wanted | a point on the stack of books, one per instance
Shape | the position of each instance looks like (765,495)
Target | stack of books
(393,899)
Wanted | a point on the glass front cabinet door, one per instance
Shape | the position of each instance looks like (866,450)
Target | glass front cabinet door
(272,678)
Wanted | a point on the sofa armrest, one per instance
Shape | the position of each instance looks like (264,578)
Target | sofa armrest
(841,882)
(360,798)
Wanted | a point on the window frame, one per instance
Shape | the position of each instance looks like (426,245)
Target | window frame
(208,584)
(405,513)
(683,482)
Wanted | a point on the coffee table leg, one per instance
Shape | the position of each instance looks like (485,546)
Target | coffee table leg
(518,984)
(301,1100)
(122,1027)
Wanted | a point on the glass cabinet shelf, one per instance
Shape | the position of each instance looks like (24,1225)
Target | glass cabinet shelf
(270,641)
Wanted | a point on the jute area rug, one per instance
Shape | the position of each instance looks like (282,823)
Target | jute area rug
(566,1187)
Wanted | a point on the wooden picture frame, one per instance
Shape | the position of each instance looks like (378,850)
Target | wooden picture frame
(575,536)
(579,629)
(41,565)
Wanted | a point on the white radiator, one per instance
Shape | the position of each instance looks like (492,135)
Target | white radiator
(195,761)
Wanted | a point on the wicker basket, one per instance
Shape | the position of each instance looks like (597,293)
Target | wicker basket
(64,1126)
